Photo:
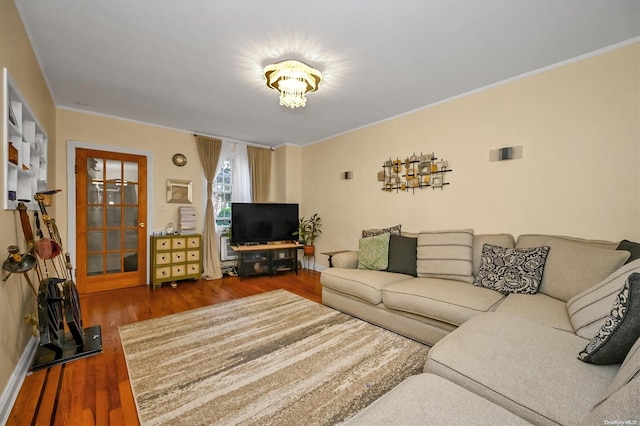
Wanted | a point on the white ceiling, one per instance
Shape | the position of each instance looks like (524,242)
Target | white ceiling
(196,65)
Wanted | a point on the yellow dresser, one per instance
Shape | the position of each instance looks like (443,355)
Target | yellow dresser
(175,257)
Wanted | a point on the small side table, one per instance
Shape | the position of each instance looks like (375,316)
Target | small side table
(333,253)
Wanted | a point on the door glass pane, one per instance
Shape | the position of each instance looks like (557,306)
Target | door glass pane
(95,167)
(113,263)
(113,193)
(130,216)
(114,170)
(95,241)
(130,239)
(130,172)
(130,261)
(114,216)
(95,264)
(130,193)
(94,193)
(113,240)
(95,216)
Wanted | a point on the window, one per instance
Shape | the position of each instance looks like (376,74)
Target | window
(222,189)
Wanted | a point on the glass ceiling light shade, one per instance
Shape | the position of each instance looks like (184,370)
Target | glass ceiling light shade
(293,80)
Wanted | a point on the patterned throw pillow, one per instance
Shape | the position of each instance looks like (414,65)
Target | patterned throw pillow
(620,330)
(373,252)
(373,232)
(511,270)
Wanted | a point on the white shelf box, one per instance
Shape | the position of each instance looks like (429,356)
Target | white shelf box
(22,129)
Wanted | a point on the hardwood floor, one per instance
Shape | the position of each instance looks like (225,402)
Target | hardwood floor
(96,390)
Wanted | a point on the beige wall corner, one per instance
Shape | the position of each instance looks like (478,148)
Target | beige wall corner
(288,174)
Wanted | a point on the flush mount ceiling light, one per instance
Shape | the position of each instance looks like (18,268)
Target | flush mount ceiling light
(293,80)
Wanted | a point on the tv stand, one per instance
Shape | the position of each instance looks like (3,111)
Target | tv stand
(267,259)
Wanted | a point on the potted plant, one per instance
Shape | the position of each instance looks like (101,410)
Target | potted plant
(308,231)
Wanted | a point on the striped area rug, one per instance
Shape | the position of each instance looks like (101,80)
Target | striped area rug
(273,358)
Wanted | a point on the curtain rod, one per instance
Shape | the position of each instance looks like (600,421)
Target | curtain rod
(237,141)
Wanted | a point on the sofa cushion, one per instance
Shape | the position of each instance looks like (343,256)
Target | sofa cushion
(620,330)
(588,309)
(373,252)
(511,270)
(525,367)
(453,302)
(446,254)
(377,231)
(479,240)
(631,247)
(539,308)
(622,408)
(360,283)
(573,265)
(629,370)
(402,254)
(430,399)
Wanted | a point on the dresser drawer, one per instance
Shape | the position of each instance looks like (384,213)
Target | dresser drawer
(178,257)
(163,244)
(193,242)
(178,271)
(163,258)
(179,243)
(193,255)
(162,273)
(193,268)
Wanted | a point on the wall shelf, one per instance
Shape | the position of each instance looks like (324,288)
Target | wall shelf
(25,145)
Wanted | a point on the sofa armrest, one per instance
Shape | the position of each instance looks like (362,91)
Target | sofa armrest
(346,260)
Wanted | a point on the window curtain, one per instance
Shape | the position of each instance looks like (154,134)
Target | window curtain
(209,153)
(241,178)
(260,169)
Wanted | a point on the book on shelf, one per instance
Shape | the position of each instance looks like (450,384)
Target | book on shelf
(187,220)
(188,231)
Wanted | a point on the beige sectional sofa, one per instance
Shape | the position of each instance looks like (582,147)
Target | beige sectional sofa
(498,358)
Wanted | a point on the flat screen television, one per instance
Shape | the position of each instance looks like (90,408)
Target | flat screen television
(261,223)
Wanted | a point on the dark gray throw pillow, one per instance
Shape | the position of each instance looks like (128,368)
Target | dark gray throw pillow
(631,247)
(403,254)
(621,328)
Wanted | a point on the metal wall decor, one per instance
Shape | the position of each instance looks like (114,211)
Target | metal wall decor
(414,172)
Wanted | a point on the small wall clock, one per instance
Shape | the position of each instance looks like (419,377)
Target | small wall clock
(179,160)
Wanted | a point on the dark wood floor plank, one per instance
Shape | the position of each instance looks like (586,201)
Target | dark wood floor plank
(96,390)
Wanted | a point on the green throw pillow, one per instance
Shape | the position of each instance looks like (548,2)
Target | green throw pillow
(374,252)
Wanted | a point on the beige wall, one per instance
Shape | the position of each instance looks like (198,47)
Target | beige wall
(160,142)
(579,127)
(16,299)
(287,161)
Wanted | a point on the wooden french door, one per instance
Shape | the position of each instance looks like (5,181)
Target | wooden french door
(111,209)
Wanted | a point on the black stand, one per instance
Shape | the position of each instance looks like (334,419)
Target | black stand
(46,357)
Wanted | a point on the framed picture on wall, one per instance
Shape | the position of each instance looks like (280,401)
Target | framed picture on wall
(179,191)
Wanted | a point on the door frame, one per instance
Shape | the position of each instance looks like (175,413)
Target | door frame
(72,146)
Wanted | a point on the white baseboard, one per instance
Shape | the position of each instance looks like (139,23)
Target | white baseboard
(10,393)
